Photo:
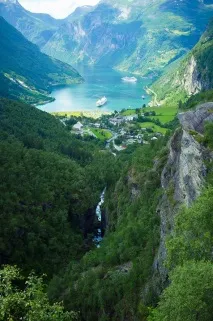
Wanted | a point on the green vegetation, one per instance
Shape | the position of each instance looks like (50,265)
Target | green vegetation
(101,134)
(154,127)
(26,73)
(194,73)
(160,121)
(106,283)
(28,300)
(193,101)
(51,183)
(164,114)
(189,295)
(89,114)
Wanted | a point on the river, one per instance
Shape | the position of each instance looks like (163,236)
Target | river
(99,82)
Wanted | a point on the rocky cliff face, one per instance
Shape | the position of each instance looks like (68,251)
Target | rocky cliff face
(182,179)
(191,80)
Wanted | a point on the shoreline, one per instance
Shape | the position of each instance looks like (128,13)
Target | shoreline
(154,102)
(85,113)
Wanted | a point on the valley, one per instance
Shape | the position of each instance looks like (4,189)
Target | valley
(106,212)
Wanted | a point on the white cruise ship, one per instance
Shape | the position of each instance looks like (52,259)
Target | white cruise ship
(101,102)
(129,79)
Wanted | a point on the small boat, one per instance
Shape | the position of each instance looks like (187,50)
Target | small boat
(101,102)
(129,79)
(143,97)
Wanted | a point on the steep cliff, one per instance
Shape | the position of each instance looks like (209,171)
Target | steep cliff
(192,75)
(182,178)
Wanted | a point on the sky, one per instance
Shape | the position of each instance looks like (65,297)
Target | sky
(56,8)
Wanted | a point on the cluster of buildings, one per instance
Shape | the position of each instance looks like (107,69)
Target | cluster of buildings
(120,119)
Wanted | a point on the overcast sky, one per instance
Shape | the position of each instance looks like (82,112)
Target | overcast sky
(56,8)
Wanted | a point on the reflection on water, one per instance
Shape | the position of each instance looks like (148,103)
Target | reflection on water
(99,82)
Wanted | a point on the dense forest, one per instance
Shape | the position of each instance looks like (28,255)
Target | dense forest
(50,183)
(109,278)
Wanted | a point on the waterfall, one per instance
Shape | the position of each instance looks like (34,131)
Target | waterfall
(98,237)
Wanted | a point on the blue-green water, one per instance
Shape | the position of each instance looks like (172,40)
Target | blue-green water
(99,82)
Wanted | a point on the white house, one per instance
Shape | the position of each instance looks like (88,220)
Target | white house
(78,127)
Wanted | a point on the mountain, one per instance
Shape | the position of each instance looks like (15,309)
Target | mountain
(192,75)
(36,27)
(26,73)
(138,36)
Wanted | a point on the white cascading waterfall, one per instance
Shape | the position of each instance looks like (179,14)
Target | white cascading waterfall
(98,238)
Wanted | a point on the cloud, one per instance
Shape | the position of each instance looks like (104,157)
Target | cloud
(56,8)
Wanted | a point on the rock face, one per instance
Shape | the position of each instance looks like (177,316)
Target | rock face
(98,38)
(191,80)
(182,180)
(195,120)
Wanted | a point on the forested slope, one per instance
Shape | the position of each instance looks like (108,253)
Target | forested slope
(106,283)
(50,185)
(25,72)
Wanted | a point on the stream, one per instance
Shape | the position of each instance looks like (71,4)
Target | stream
(99,235)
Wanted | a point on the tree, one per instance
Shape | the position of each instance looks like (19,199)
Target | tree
(30,303)
(180,104)
(189,297)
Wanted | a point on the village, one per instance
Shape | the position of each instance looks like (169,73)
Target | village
(118,130)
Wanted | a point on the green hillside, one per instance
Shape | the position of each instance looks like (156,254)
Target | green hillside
(192,75)
(25,72)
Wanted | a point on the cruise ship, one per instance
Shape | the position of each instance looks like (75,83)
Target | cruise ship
(129,79)
(101,102)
